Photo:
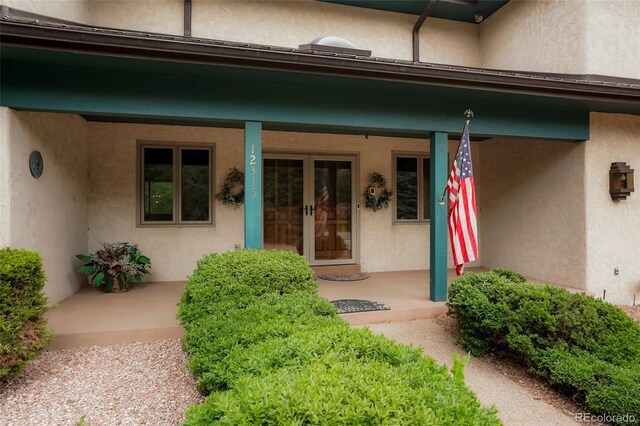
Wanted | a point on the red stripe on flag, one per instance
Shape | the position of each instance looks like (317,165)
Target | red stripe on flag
(462,221)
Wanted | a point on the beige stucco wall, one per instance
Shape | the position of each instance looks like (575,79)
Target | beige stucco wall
(544,36)
(292,23)
(49,214)
(156,16)
(70,10)
(578,36)
(112,201)
(613,38)
(5,177)
(532,209)
(560,36)
(613,231)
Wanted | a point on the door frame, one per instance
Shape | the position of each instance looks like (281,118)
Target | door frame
(308,158)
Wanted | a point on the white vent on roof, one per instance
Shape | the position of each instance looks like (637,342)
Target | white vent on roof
(335,44)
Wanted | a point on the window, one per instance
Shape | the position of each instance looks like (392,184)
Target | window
(412,187)
(175,185)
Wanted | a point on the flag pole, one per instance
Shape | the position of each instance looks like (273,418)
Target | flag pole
(469,115)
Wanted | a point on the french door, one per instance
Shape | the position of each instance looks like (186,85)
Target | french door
(310,206)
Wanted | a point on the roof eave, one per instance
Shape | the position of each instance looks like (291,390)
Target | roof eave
(192,50)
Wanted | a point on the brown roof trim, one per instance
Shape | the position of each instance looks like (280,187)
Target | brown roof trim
(103,41)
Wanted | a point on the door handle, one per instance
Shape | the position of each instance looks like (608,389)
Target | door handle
(311,210)
(306,210)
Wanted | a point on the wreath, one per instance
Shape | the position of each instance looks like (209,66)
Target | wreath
(232,193)
(377,185)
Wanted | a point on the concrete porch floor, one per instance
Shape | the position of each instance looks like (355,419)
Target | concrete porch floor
(148,311)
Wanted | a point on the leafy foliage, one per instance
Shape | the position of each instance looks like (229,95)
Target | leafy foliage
(23,328)
(584,346)
(266,349)
(114,265)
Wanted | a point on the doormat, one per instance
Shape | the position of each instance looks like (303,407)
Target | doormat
(344,277)
(349,306)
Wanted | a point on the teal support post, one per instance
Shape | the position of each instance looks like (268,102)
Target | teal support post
(438,214)
(253,185)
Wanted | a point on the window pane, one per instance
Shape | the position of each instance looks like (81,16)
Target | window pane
(407,187)
(158,184)
(426,187)
(195,190)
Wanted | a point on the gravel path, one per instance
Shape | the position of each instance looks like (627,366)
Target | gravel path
(132,384)
(517,406)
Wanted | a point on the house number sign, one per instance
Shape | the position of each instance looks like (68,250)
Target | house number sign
(252,171)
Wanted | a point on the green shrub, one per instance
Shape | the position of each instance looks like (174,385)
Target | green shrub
(584,346)
(237,278)
(268,350)
(23,328)
(346,392)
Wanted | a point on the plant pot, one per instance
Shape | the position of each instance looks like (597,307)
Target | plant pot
(114,286)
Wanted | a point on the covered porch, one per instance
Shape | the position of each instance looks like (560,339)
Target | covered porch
(89,97)
(148,311)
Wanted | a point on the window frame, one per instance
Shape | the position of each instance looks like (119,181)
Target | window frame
(177,148)
(420,157)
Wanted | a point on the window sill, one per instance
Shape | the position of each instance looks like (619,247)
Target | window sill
(411,222)
(183,225)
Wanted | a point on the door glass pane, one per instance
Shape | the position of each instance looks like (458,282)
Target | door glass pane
(333,210)
(195,192)
(407,188)
(158,184)
(283,204)
(426,187)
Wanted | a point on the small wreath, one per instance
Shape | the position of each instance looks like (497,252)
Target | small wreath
(232,193)
(377,185)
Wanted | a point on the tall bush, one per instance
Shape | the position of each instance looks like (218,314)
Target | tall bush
(23,328)
(266,349)
(587,348)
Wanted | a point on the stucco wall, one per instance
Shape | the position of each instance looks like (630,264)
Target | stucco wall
(560,36)
(613,232)
(112,201)
(5,176)
(544,36)
(70,10)
(292,23)
(156,16)
(532,209)
(613,38)
(49,214)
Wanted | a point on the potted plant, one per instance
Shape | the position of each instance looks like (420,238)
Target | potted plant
(114,265)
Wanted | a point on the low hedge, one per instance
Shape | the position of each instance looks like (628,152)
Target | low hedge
(587,348)
(266,349)
(23,328)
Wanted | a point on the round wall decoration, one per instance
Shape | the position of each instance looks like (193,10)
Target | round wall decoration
(377,196)
(36,164)
(232,193)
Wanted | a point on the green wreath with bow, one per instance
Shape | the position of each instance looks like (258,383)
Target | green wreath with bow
(232,193)
(377,186)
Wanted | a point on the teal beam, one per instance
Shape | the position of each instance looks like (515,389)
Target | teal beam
(438,215)
(169,92)
(253,185)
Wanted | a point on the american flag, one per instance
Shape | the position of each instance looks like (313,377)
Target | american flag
(463,229)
